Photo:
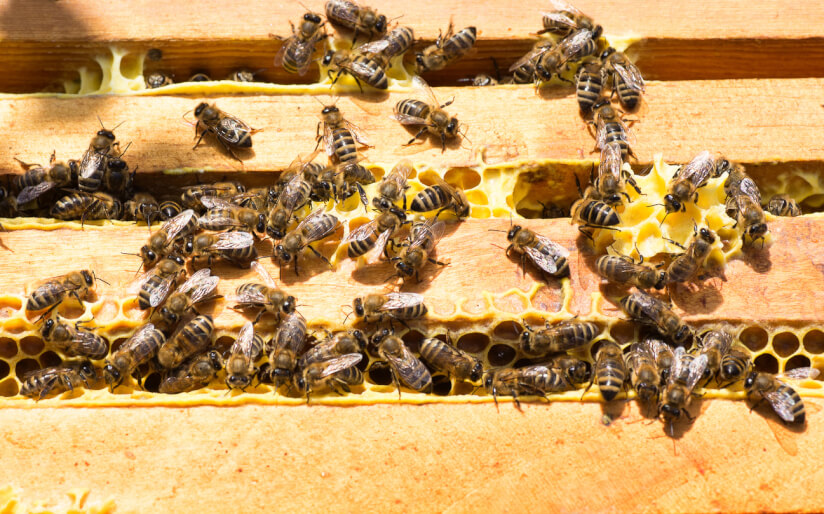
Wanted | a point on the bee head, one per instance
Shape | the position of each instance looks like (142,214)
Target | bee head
(488,378)
(646,392)
(380,24)
(606,53)
(310,16)
(111,374)
(360,337)
(379,336)
(327,60)
(603,102)
(87,370)
(682,334)
(215,360)
(47,328)
(88,277)
(169,316)
(670,412)
(661,281)
(288,305)
(707,236)
(672,204)
(477,372)
(757,230)
(106,134)
(597,31)
(261,224)
(749,382)
(238,381)
(117,164)
(525,336)
(358,305)
(452,126)
(282,254)
(513,232)
(404,268)
(419,59)
(200,108)
(300,384)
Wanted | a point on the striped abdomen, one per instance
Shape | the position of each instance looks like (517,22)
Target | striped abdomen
(610,371)
(341,12)
(412,312)
(169,209)
(375,76)
(797,407)
(31,177)
(144,296)
(193,337)
(627,95)
(589,86)
(560,261)
(614,132)
(72,206)
(682,268)
(215,219)
(400,40)
(596,213)
(344,145)
(431,198)
(572,334)
(44,297)
(460,43)
(411,107)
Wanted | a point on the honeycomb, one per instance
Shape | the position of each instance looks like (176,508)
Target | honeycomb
(74,503)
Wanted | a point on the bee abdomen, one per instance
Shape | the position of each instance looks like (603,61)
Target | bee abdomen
(682,268)
(599,214)
(611,376)
(460,43)
(429,199)
(344,144)
(626,95)
(377,77)
(144,296)
(589,90)
(573,334)
(412,107)
(413,312)
(71,206)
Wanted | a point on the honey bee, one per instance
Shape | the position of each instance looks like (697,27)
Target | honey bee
(267,296)
(337,374)
(684,185)
(406,368)
(560,337)
(142,207)
(453,361)
(72,341)
(285,347)
(137,350)
(545,254)
(611,182)
(193,374)
(784,400)
(643,371)
(200,77)
(429,114)
(230,132)
(169,209)
(481,80)
(589,83)
(745,202)
(536,380)
(158,79)
(649,310)
(379,308)
(393,186)
(38,180)
(50,292)
(627,80)
(610,128)
(296,52)
(154,285)
(375,234)
(224,215)
(684,266)
(240,367)
(190,198)
(243,75)
(117,179)
(236,247)
(663,355)
(8,204)
(85,206)
(41,383)
(591,213)
(447,48)
(442,196)
(397,42)
(337,345)
(624,270)
(610,370)
(95,160)
(196,289)
(360,67)
(683,377)
(575,370)
(783,205)
(524,72)
(417,248)
(314,227)
(193,337)
(162,242)
(565,19)
(339,136)
(714,344)
(359,18)
(734,365)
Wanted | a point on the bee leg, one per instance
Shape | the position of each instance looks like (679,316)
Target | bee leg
(318,255)
(443,143)
(201,136)
(362,195)
(517,402)
(495,398)
(675,243)
(418,135)
(586,233)
(433,261)
(259,315)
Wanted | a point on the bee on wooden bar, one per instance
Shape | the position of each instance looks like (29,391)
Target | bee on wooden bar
(397,42)
(193,374)
(627,80)
(169,209)
(360,67)
(359,18)
(624,270)
(235,247)
(663,355)
(683,267)
(455,362)
(684,375)
(545,254)
(375,234)
(190,198)
(153,286)
(417,248)
(447,48)
(714,344)
(649,310)
(162,242)
(240,367)
(50,292)
(142,207)
(285,347)
(393,186)
(95,160)
(267,296)
(296,51)
(783,205)
(610,370)
(83,206)
(442,196)
(784,400)
(643,370)
(117,179)
(73,341)
(737,182)
(523,70)
(197,288)
(565,19)
(192,338)
(581,43)
(379,308)
(588,84)
(137,350)
(318,225)
(481,80)
(406,368)
(158,79)
(744,201)
(591,213)
(337,374)
(536,380)
(337,345)
(339,135)
(243,75)
(229,131)
(734,365)
(610,128)
(685,184)
(42,382)
(429,114)
(611,182)
(560,337)
(38,180)
(224,215)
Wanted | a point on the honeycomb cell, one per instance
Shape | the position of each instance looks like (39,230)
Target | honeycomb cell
(477,197)
(785,344)
(473,342)
(377,171)
(413,339)
(511,303)
(71,310)
(480,212)
(354,223)
(131,310)
(24,367)
(501,355)
(117,343)
(49,358)
(441,385)
(4,369)
(507,330)
(622,332)
(224,343)
(105,311)
(9,305)
(814,341)
(461,388)
(16,326)
(152,383)
(465,178)
(766,363)
(9,387)
(754,338)
(8,347)
(32,345)
(798,361)
(379,373)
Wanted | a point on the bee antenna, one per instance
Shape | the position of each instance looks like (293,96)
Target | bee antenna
(96,277)
(125,149)
(497,230)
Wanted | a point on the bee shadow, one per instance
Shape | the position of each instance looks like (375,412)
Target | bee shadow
(374,274)
(426,140)
(697,297)
(683,425)
(237,155)
(757,258)
(612,411)
(766,411)
(555,91)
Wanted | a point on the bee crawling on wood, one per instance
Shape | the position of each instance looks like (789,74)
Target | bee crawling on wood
(429,114)
(231,132)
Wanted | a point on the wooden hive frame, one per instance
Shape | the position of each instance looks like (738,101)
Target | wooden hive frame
(751,89)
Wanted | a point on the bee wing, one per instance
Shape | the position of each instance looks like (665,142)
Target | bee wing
(374,47)
(340,363)
(231,129)
(802,373)
(575,43)
(677,363)
(204,289)
(29,193)
(232,240)
(328,140)
(446,186)
(421,88)
(348,15)
(630,74)
(357,133)
(401,301)
(531,56)
(291,332)
(87,342)
(561,19)
(556,249)
(214,202)
(195,280)
(560,5)
(250,296)
(782,403)
(611,160)
(406,119)
(318,231)
(365,231)
(696,370)
(143,334)
(405,365)
(243,343)
(435,231)
(159,293)
(91,163)
(699,168)
(173,226)
(284,43)
(380,245)
(748,187)
(262,273)
(542,260)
